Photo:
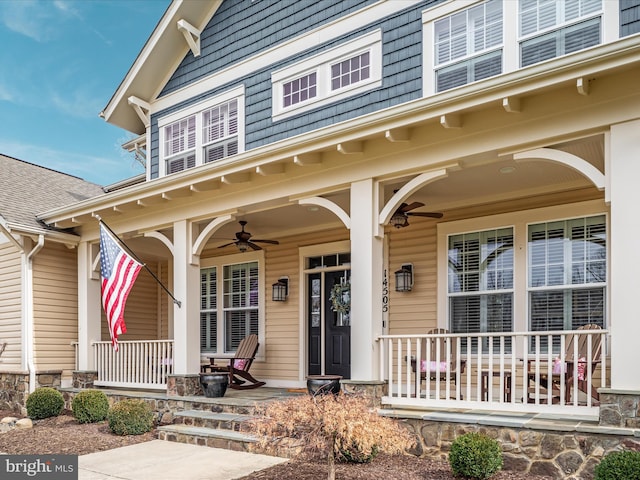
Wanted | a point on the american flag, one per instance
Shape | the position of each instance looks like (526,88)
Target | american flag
(118,271)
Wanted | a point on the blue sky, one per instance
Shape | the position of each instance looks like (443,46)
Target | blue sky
(60,63)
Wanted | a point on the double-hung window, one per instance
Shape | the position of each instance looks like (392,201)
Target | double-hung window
(551,28)
(567,265)
(468,45)
(206,132)
(230,307)
(480,282)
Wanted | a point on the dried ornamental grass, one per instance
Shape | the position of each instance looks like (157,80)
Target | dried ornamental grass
(336,426)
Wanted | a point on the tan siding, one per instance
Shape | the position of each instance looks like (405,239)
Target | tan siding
(10,306)
(55,307)
(141,311)
(282,319)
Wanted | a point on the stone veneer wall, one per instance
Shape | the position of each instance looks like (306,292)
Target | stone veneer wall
(14,387)
(555,454)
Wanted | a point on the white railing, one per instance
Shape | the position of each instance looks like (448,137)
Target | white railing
(462,371)
(136,364)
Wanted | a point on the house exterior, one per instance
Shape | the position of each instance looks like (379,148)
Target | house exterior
(38,278)
(326,127)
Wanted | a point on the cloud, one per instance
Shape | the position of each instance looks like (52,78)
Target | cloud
(5,94)
(76,103)
(30,18)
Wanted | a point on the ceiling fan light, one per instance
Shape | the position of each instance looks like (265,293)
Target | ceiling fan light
(242,245)
(399,220)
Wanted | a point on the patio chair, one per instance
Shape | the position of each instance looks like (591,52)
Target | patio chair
(238,367)
(438,365)
(572,367)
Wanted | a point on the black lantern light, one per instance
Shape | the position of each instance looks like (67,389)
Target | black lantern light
(404,278)
(280,290)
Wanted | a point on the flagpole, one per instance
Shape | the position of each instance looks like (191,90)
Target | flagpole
(137,259)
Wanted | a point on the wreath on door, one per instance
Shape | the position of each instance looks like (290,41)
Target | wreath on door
(341,297)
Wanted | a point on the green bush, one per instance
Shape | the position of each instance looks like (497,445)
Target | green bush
(474,455)
(355,454)
(44,402)
(130,417)
(90,406)
(623,465)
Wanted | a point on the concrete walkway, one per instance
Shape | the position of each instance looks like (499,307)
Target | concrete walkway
(162,460)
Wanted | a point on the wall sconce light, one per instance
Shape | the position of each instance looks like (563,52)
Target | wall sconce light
(280,290)
(404,278)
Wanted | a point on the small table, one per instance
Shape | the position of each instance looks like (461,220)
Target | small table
(484,386)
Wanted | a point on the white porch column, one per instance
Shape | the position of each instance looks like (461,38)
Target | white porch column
(186,288)
(89,307)
(366,280)
(624,248)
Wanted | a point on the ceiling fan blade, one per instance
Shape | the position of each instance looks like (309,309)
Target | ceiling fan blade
(227,244)
(411,206)
(273,242)
(254,246)
(426,214)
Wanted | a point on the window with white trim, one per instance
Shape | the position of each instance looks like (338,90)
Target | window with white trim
(468,45)
(230,306)
(550,28)
(467,41)
(567,274)
(480,282)
(207,132)
(332,75)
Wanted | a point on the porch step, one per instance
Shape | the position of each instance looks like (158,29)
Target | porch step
(205,436)
(213,420)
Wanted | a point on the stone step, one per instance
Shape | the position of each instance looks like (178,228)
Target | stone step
(209,437)
(215,420)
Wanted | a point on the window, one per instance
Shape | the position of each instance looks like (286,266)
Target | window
(203,133)
(332,75)
(567,273)
(468,41)
(549,28)
(480,282)
(468,45)
(230,307)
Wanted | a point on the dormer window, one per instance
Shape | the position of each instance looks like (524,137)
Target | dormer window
(203,133)
(333,75)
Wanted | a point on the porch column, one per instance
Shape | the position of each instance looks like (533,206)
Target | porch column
(624,177)
(186,288)
(366,280)
(89,307)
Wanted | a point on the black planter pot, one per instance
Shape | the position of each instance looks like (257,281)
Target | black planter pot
(214,385)
(323,384)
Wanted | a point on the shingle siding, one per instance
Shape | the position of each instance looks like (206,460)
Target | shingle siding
(401,64)
(629,17)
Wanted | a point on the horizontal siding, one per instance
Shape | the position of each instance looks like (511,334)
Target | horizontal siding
(629,17)
(10,306)
(55,307)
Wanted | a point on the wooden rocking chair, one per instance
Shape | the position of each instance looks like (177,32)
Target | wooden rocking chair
(238,367)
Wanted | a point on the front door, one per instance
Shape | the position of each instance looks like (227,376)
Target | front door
(329,330)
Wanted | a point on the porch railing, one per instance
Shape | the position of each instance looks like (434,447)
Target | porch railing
(555,371)
(136,364)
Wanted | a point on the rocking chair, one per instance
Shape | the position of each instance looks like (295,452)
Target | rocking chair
(238,367)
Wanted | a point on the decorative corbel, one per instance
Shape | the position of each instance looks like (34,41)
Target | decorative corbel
(191,35)
(142,108)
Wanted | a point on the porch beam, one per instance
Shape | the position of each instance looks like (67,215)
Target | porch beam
(451,120)
(329,205)
(511,104)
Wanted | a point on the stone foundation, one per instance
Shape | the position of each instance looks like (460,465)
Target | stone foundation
(14,387)
(84,378)
(554,454)
(372,390)
(184,385)
(619,408)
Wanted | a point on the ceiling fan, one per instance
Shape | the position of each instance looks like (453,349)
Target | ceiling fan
(243,240)
(400,217)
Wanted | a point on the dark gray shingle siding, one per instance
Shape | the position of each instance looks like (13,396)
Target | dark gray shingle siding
(401,77)
(629,17)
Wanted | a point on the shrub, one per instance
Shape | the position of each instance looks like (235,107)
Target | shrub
(474,455)
(623,465)
(44,402)
(90,406)
(340,426)
(130,417)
